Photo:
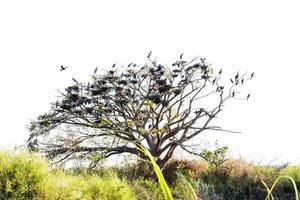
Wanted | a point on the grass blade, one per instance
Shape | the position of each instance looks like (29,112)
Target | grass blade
(162,182)
(275,183)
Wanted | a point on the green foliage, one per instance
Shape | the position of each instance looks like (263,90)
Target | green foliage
(25,176)
(216,157)
(147,189)
(20,175)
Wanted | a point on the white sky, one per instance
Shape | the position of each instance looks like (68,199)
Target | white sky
(36,37)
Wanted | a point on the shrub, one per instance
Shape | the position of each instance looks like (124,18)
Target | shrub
(147,189)
(20,175)
(190,169)
(24,176)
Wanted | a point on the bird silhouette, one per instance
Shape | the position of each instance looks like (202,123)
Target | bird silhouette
(236,76)
(114,65)
(213,82)
(233,94)
(95,70)
(252,75)
(248,96)
(242,81)
(220,72)
(231,81)
(181,55)
(149,54)
(62,68)
(75,80)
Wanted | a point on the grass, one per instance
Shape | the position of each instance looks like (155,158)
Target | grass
(25,176)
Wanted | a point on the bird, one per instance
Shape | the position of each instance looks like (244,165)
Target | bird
(149,54)
(242,81)
(213,82)
(95,70)
(236,76)
(62,68)
(252,75)
(231,81)
(233,93)
(75,80)
(181,55)
(114,65)
(248,96)
(220,72)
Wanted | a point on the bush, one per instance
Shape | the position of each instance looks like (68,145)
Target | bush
(20,175)
(146,189)
(24,176)
(190,169)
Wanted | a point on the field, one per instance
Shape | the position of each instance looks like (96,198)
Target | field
(26,176)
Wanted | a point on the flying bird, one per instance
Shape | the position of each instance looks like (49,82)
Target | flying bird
(95,70)
(62,68)
(149,54)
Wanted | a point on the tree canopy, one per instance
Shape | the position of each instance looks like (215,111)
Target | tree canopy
(161,107)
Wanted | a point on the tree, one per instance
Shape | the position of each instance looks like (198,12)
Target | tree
(160,107)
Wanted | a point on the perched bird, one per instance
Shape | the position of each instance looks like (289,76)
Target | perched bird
(62,68)
(220,72)
(181,55)
(149,54)
(236,76)
(248,96)
(95,70)
(114,65)
(213,82)
(233,94)
(75,80)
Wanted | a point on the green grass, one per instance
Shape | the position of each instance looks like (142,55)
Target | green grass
(26,176)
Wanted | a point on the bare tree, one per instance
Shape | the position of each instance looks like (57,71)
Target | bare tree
(160,107)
